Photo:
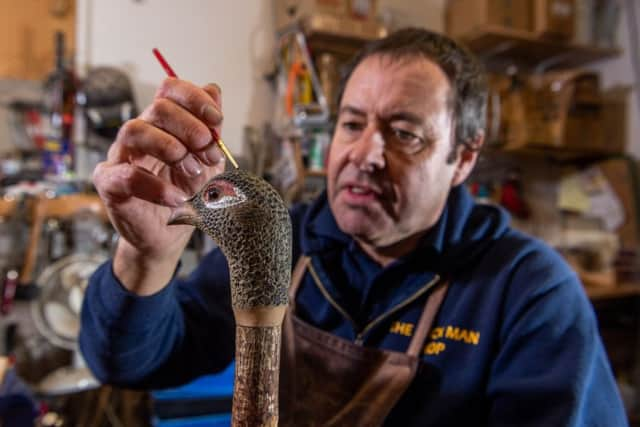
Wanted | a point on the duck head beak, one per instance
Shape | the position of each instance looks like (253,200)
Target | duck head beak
(184,214)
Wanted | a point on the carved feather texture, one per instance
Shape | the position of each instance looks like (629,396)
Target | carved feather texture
(249,221)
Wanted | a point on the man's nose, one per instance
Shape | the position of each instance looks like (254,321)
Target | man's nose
(368,151)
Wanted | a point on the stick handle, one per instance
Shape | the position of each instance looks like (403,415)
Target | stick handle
(255,395)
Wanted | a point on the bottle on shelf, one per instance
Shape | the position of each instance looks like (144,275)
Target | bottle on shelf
(60,104)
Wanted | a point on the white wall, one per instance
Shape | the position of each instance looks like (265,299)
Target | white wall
(226,42)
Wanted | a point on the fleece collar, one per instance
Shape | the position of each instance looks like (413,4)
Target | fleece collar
(462,232)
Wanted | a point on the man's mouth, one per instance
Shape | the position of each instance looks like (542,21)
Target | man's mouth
(360,190)
(357,193)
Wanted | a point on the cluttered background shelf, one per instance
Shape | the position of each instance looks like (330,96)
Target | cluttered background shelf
(528,50)
(621,290)
(560,153)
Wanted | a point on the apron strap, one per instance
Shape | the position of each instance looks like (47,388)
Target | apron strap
(296,279)
(434,301)
(426,319)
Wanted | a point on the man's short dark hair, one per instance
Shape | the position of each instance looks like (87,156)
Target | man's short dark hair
(465,73)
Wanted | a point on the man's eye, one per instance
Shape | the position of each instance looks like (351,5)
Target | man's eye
(405,136)
(352,126)
(406,141)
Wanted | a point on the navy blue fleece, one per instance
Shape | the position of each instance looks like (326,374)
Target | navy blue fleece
(515,343)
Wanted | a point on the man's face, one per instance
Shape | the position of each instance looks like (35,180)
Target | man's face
(387,175)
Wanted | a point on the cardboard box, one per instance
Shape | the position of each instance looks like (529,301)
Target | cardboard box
(290,12)
(467,16)
(554,18)
(619,174)
(615,118)
(340,26)
(565,109)
(506,111)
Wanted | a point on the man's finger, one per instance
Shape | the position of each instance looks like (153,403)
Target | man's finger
(196,100)
(215,92)
(179,122)
(137,137)
(116,183)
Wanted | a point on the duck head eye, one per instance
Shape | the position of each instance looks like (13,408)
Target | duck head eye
(213,194)
(222,194)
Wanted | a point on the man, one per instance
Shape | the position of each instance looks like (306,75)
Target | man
(411,305)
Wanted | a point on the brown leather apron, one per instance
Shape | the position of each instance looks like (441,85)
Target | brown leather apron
(326,380)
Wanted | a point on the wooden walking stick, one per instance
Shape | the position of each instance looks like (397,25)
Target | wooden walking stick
(249,221)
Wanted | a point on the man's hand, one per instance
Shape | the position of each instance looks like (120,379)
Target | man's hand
(157,161)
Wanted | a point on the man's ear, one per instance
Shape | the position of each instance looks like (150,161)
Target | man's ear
(466,159)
